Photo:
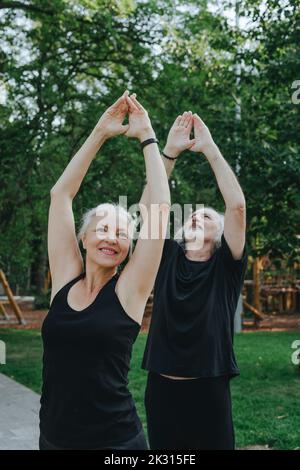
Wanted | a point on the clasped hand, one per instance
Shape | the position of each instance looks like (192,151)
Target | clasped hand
(139,126)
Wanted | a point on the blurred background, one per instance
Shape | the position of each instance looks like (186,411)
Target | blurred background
(236,64)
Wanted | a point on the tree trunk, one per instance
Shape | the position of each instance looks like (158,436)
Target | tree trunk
(39,266)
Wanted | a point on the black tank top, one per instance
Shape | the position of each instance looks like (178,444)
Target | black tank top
(85,402)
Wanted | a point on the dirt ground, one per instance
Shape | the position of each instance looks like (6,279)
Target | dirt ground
(277,323)
(34,319)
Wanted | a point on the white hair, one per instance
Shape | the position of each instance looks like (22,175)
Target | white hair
(104,207)
(179,235)
(220,229)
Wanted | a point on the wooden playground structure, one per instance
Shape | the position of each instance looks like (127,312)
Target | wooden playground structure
(10,300)
(270,293)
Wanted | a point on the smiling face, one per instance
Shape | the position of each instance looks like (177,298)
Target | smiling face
(202,226)
(107,238)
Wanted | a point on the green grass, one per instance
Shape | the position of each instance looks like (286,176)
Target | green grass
(266,396)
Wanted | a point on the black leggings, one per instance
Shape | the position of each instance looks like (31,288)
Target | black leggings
(189,414)
(137,442)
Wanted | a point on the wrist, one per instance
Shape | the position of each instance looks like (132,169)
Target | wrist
(211,150)
(171,151)
(147,134)
(99,135)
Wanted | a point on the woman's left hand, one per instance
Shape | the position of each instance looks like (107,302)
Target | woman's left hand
(179,135)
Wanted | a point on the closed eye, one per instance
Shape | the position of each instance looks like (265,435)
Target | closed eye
(123,235)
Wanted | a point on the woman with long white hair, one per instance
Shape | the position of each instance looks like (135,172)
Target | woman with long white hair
(189,352)
(96,313)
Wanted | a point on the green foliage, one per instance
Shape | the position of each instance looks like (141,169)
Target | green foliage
(62,63)
(42,300)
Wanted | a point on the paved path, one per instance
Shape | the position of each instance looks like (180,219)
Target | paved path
(19,419)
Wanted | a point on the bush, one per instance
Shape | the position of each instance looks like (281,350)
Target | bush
(42,300)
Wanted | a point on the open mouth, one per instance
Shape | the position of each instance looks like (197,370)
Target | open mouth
(196,225)
(108,251)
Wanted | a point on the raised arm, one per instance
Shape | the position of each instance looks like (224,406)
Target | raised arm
(137,279)
(235,213)
(65,259)
(178,140)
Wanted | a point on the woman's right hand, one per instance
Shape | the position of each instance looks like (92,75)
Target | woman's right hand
(140,125)
(179,135)
(110,123)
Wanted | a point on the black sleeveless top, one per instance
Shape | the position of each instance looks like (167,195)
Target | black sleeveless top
(85,402)
(192,325)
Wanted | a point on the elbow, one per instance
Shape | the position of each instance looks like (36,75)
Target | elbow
(55,192)
(159,207)
(238,206)
(160,198)
(166,198)
(165,206)
(241,207)
(52,192)
(238,213)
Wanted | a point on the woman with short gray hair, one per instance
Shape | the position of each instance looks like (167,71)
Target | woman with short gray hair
(189,351)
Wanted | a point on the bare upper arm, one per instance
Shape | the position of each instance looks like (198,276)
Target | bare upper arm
(65,259)
(137,279)
(235,229)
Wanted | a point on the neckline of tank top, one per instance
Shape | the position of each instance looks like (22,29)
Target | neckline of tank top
(95,299)
(196,262)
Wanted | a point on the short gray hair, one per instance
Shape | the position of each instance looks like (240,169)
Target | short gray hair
(89,214)
(179,235)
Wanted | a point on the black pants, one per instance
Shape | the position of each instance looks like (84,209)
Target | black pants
(138,442)
(190,414)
